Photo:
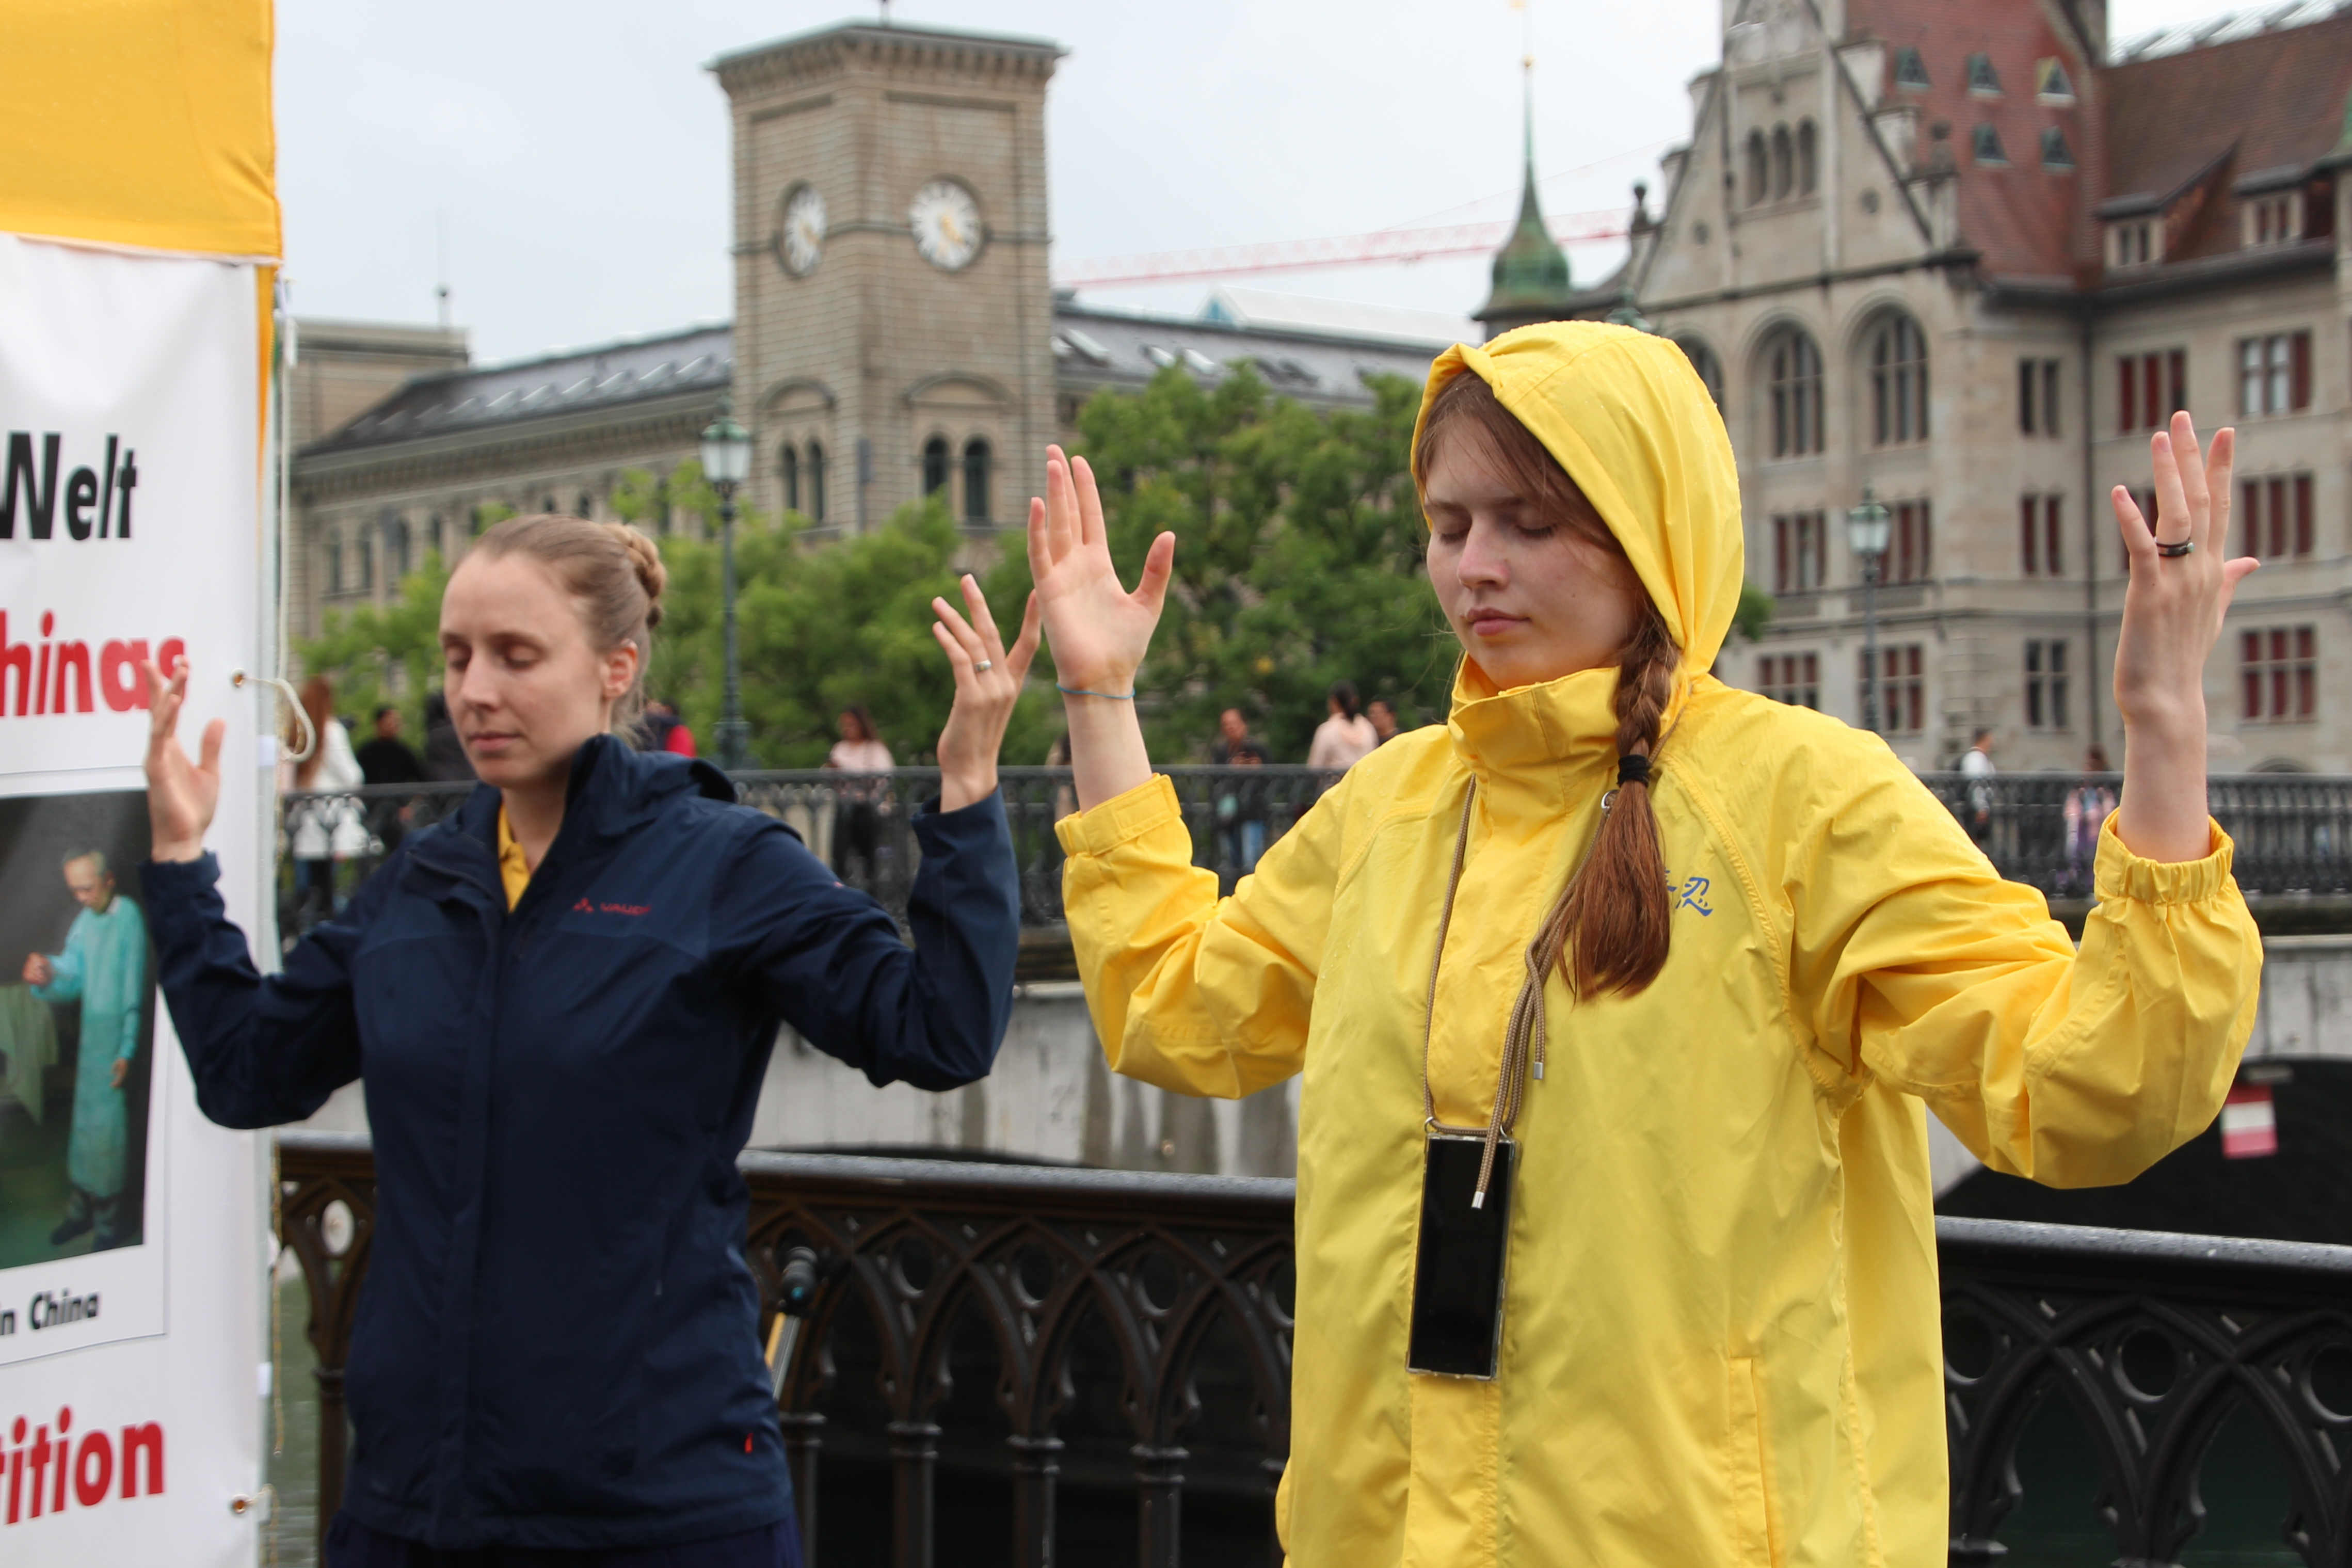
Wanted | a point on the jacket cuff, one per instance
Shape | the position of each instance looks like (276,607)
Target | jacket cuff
(2120,874)
(1122,819)
(936,828)
(178,879)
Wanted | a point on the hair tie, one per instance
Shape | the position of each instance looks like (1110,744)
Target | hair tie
(1632,768)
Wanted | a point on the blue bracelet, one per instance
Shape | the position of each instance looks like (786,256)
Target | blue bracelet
(1107,696)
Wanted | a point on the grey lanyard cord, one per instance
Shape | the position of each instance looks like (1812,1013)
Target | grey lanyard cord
(1527,1033)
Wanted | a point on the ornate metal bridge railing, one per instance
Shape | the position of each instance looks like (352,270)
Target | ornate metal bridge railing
(2294,833)
(1073,1364)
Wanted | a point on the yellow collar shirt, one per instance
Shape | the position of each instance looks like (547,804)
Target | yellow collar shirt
(514,871)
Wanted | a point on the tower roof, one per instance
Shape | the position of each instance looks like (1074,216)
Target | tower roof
(1531,282)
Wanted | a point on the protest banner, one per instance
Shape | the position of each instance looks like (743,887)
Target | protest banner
(138,242)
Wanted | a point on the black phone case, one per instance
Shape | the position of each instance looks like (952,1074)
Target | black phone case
(1457,1276)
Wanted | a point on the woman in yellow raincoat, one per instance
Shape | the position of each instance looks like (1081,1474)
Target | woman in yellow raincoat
(1704,961)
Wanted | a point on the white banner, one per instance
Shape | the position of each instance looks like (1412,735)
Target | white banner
(131,1243)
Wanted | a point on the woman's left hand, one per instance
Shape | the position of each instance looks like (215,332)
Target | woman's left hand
(988,682)
(2173,608)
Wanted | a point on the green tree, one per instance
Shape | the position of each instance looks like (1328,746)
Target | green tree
(1298,553)
(384,654)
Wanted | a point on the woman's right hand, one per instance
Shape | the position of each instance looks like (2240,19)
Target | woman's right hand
(1097,630)
(181,796)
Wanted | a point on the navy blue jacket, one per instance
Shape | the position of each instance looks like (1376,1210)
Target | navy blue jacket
(556,1346)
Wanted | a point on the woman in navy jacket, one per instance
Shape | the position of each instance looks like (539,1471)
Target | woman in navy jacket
(560,1002)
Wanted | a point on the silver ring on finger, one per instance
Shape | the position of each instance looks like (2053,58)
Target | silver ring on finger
(2174,551)
(984,666)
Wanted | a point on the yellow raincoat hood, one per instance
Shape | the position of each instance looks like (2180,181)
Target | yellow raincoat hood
(1629,419)
(1720,1339)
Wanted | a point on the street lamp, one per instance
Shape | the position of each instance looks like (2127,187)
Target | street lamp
(1865,534)
(727,463)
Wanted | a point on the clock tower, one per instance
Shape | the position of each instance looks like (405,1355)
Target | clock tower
(893,313)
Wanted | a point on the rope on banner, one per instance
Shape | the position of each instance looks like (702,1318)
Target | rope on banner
(293,700)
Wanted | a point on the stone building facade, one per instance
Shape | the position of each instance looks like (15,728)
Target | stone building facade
(1967,258)
(896,336)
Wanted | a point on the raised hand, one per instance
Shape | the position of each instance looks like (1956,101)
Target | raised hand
(181,796)
(988,682)
(2173,610)
(39,970)
(1099,630)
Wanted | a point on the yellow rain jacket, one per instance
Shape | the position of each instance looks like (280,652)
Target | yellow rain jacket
(1721,1339)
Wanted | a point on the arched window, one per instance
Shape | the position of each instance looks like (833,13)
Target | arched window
(1759,174)
(1710,369)
(935,465)
(547,504)
(1792,369)
(977,458)
(395,547)
(587,506)
(360,547)
(817,481)
(438,536)
(1898,381)
(788,469)
(1808,158)
(334,563)
(1784,163)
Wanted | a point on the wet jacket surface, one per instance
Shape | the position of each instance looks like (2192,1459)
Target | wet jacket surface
(556,1342)
(1721,1339)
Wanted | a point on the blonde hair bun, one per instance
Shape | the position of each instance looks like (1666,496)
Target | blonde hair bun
(651,575)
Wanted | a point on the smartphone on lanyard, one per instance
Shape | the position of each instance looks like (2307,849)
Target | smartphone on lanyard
(1457,1274)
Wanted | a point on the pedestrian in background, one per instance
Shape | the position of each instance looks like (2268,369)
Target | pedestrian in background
(1241,804)
(562,1000)
(1384,718)
(666,731)
(1344,738)
(1976,766)
(857,820)
(326,831)
(1620,1001)
(384,758)
(444,754)
(2088,805)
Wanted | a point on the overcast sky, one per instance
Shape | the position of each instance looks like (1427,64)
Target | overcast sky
(576,155)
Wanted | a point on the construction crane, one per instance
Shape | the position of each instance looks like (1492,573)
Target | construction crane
(1382,245)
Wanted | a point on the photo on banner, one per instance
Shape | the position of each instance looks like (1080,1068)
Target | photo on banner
(76,1033)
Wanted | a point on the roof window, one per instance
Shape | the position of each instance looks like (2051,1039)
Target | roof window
(1910,67)
(2055,153)
(1985,142)
(1087,347)
(1982,78)
(1199,363)
(2051,82)
(1159,356)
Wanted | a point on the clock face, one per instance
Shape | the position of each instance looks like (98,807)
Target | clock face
(946,220)
(800,239)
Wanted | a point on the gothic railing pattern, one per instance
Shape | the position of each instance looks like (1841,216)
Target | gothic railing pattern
(2294,833)
(1053,1348)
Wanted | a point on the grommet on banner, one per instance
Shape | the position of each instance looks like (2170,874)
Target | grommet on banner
(293,700)
(260,1504)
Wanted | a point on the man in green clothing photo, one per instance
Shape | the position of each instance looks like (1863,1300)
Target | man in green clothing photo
(104,968)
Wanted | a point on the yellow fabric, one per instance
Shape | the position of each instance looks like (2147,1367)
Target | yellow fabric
(1721,1341)
(514,871)
(139,122)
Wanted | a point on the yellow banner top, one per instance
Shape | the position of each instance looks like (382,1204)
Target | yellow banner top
(139,122)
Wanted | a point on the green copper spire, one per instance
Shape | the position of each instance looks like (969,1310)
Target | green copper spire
(1532,276)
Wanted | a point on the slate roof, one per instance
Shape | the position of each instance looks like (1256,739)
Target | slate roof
(611,377)
(1092,348)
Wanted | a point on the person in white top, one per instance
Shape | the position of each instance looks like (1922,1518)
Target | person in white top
(322,833)
(1976,764)
(858,829)
(1346,737)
